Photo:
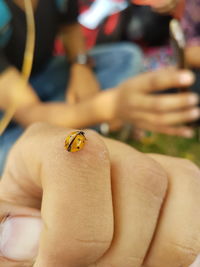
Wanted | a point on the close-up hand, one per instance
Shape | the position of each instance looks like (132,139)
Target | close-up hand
(140,101)
(106,205)
(82,84)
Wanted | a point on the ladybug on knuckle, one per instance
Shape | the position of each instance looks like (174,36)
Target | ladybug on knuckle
(75,141)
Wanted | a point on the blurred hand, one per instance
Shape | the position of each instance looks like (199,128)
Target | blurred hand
(137,101)
(14,90)
(105,205)
(82,85)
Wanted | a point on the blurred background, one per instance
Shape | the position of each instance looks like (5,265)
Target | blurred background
(105,21)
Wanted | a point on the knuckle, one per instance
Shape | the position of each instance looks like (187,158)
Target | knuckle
(152,177)
(96,149)
(185,253)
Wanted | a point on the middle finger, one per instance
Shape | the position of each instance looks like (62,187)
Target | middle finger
(138,186)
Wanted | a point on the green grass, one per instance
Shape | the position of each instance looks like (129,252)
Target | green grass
(168,145)
(173,146)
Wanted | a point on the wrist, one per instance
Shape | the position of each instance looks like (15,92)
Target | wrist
(83,59)
(75,67)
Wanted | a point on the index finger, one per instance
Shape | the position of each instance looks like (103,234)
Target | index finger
(162,79)
(177,239)
(76,192)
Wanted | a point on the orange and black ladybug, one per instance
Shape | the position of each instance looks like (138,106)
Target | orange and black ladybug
(75,141)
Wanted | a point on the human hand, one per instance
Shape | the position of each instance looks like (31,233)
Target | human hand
(137,101)
(14,90)
(99,207)
(82,85)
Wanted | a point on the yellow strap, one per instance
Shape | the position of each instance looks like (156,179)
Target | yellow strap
(27,61)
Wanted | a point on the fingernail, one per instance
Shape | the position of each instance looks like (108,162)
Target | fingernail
(19,238)
(196,263)
(186,78)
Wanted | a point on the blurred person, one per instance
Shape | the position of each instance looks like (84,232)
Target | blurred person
(133,101)
(71,78)
(106,20)
(106,205)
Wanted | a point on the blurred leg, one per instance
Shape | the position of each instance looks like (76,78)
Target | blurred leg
(50,84)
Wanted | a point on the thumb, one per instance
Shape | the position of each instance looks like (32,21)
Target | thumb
(19,238)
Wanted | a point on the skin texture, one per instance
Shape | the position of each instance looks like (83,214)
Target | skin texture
(106,205)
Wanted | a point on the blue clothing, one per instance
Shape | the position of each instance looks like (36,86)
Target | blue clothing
(114,63)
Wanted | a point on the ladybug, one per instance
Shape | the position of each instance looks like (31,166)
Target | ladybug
(75,141)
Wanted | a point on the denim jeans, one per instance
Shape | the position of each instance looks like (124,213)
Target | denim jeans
(114,63)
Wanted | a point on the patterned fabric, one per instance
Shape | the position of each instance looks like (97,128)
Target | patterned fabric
(191,21)
(156,58)
(191,25)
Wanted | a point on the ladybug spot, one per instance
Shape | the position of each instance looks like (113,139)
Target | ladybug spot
(78,147)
